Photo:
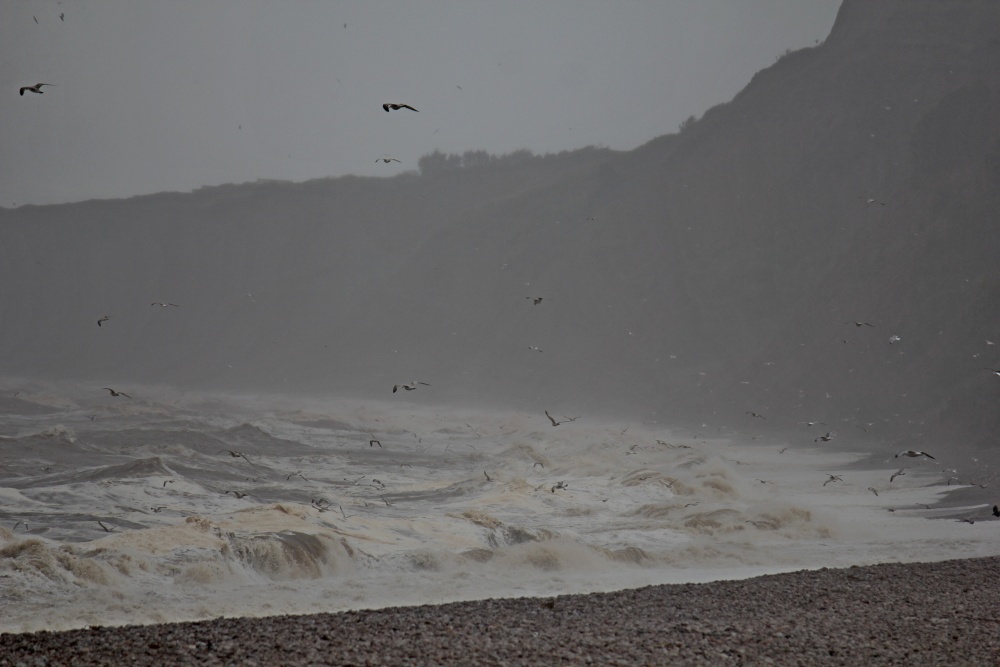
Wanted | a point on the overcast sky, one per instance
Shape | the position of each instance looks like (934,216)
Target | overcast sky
(154,95)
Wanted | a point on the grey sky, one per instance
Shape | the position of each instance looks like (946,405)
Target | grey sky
(151,96)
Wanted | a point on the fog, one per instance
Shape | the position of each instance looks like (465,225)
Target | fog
(152,96)
(653,294)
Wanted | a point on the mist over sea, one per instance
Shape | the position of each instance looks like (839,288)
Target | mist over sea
(133,510)
(697,359)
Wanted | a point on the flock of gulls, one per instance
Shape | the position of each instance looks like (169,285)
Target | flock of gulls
(323,505)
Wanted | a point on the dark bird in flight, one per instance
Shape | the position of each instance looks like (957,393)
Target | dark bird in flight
(116,393)
(37,88)
(833,478)
(535,299)
(552,419)
(397,107)
(896,474)
(236,455)
(36,19)
(103,319)
(859,324)
(164,305)
(826,437)
(755,415)
(106,529)
(996,511)
(374,441)
(238,494)
(913,454)
(408,387)
(387,160)
(62,16)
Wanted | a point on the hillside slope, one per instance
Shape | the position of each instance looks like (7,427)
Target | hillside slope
(698,277)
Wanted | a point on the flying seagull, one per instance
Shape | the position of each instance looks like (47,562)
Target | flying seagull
(896,474)
(996,511)
(37,88)
(397,107)
(103,319)
(755,415)
(859,324)
(913,454)
(164,305)
(408,387)
(826,437)
(894,339)
(235,454)
(535,299)
(374,441)
(833,478)
(552,419)
(387,160)
(995,371)
(116,393)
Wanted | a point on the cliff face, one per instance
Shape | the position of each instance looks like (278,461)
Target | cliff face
(700,276)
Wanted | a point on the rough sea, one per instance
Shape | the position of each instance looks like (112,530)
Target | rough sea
(170,505)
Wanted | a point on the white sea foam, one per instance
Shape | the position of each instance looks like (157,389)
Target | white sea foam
(453,505)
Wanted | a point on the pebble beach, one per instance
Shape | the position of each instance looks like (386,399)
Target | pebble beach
(890,614)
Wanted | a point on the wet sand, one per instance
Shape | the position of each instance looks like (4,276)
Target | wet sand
(892,614)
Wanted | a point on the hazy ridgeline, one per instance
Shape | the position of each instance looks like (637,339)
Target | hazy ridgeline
(705,274)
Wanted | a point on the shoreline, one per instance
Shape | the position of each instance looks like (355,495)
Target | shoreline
(913,613)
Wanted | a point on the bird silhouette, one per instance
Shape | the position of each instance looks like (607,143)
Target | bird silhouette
(37,88)
(116,393)
(913,454)
(552,419)
(102,320)
(408,387)
(397,107)
(387,160)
